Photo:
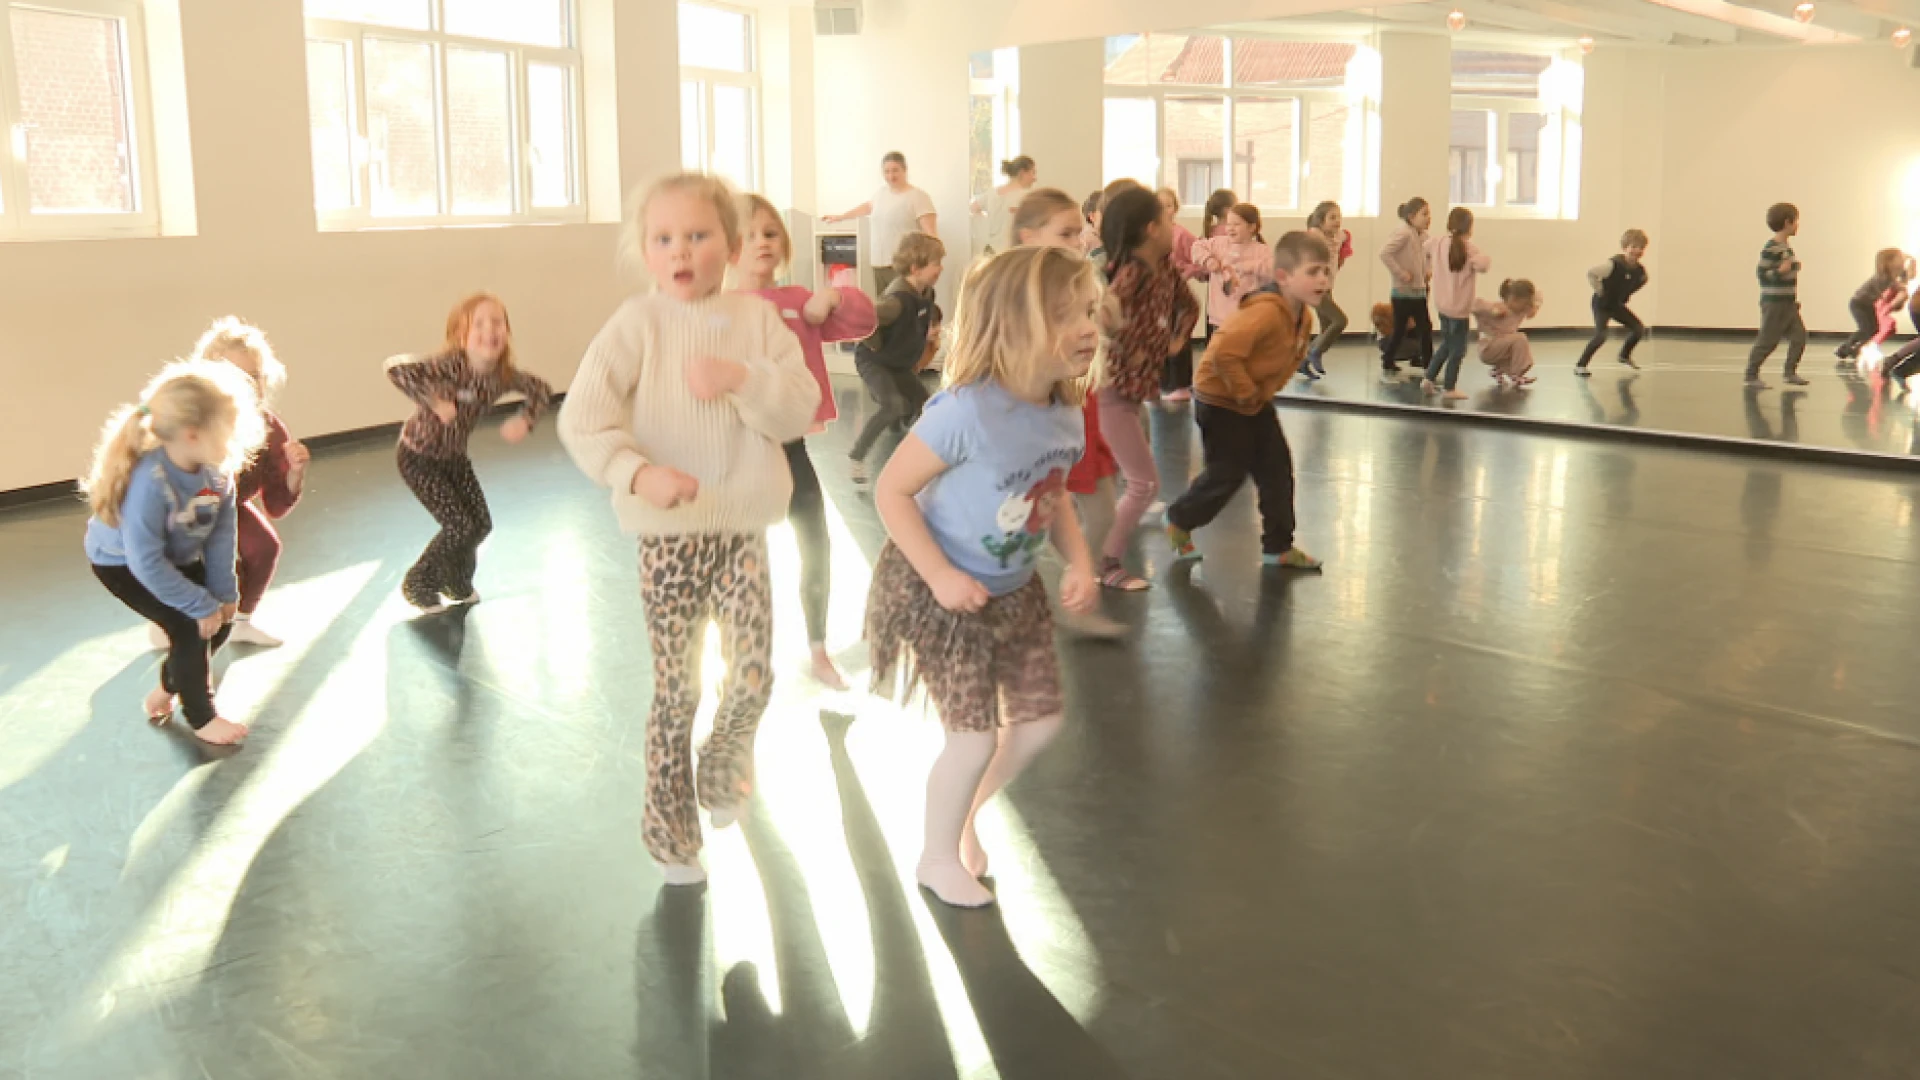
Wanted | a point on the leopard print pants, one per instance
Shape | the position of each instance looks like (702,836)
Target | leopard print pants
(684,582)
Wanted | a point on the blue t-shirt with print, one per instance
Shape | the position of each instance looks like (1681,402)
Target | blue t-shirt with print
(172,518)
(1007,463)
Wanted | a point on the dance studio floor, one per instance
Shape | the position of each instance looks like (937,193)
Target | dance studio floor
(1687,385)
(1581,760)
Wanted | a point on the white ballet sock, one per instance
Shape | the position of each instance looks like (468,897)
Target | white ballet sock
(1019,745)
(951,785)
(683,873)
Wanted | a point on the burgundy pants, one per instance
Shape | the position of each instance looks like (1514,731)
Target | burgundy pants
(259,553)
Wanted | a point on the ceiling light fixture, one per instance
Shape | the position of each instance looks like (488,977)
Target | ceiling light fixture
(1902,37)
(1586,43)
(1456,20)
(1803,12)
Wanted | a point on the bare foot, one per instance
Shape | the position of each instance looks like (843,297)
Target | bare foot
(972,855)
(159,707)
(824,672)
(220,731)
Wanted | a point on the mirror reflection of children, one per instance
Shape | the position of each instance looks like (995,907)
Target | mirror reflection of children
(1503,346)
(1614,282)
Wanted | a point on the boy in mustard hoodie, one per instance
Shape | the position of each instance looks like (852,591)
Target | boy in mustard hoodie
(1253,355)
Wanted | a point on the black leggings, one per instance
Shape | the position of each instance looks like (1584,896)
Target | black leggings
(899,393)
(808,513)
(188,670)
(1602,314)
(450,491)
(1409,308)
(1178,374)
(1866,322)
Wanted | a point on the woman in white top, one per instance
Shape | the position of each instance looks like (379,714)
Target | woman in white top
(897,209)
(999,204)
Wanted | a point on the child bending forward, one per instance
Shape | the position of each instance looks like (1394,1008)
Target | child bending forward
(1503,346)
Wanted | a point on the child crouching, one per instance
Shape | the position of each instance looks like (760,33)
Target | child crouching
(1503,346)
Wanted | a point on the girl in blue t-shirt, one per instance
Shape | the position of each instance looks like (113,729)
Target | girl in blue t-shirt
(165,524)
(968,499)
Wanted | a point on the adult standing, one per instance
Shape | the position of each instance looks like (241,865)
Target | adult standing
(999,204)
(897,209)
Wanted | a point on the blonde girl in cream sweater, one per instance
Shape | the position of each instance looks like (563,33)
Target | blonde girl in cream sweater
(681,406)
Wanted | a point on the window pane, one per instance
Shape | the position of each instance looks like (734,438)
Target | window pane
(1467,158)
(714,38)
(1498,74)
(403,142)
(330,115)
(1192,156)
(73,112)
(1523,158)
(1131,144)
(1290,63)
(1324,173)
(406,14)
(530,22)
(1264,152)
(1157,59)
(550,133)
(693,126)
(733,135)
(480,131)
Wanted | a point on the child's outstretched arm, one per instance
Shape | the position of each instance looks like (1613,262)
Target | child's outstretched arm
(427,380)
(912,467)
(537,393)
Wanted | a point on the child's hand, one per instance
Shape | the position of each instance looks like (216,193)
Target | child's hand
(298,456)
(711,378)
(211,624)
(664,486)
(820,305)
(515,429)
(957,590)
(446,410)
(1078,591)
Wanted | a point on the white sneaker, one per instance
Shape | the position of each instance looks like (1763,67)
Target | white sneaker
(245,633)
(157,637)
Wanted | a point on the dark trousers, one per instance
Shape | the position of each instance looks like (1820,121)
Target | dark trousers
(188,668)
(259,548)
(1603,314)
(807,510)
(1333,323)
(1178,374)
(1409,308)
(1235,446)
(1452,350)
(1866,327)
(1904,363)
(450,491)
(1779,319)
(899,393)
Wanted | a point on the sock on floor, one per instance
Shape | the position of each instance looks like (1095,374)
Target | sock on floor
(952,785)
(1019,744)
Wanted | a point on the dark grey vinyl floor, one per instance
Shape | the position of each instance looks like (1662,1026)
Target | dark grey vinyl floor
(1581,760)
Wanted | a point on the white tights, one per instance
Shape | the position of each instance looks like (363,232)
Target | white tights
(973,766)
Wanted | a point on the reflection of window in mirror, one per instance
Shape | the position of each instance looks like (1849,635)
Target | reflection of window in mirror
(1515,134)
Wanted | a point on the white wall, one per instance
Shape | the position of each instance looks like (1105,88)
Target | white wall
(1060,101)
(83,324)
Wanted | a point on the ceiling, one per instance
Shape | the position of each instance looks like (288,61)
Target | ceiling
(1685,23)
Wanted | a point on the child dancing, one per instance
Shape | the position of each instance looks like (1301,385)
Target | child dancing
(681,406)
(1250,360)
(1875,303)
(890,360)
(1502,344)
(1614,282)
(815,318)
(1457,264)
(968,500)
(453,391)
(165,525)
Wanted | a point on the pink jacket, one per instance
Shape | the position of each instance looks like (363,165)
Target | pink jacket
(1453,290)
(852,320)
(1182,250)
(1251,266)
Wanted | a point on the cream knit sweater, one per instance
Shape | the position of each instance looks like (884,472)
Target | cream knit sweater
(629,406)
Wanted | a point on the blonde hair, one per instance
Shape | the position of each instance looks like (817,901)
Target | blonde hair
(187,395)
(916,250)
(1634,238)
(230,336)
(1889,263)
(633,243)
(1005,323)
(460,320)
(752,204)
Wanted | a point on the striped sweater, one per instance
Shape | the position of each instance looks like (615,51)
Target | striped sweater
(1779,272)
(629,406)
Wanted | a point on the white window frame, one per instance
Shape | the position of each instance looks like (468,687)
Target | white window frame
(1556,179)
(1303,98)
(17,221)
(361,216)
(705,79)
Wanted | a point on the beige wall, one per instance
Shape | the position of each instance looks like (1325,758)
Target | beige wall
(83,324)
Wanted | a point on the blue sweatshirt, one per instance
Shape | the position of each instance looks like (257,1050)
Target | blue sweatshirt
(172,518)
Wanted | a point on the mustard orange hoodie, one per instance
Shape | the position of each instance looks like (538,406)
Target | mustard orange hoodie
(1254,353)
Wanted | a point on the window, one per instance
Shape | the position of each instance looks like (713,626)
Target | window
(719,93)
(77,160)
(440,112)
(1284,124)
(1515,133)
(993,116)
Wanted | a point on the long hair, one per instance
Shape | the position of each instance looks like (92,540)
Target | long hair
(1124,224)
(1007,323)
(1459,225)
(1011,168)
(1518,293)
(1250,214)
(1411,207)
(752,205)
(1318,219)
(229,337)
(1217,206)
(460,320)
(187,395)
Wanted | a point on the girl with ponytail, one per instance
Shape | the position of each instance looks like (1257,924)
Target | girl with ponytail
(1457,266)
(1405,256)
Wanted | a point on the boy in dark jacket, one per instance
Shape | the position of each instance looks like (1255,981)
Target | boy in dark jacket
(889,362)
(1614,283)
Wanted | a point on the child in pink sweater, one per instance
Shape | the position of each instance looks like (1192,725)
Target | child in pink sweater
(814,318)
(1235,263)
